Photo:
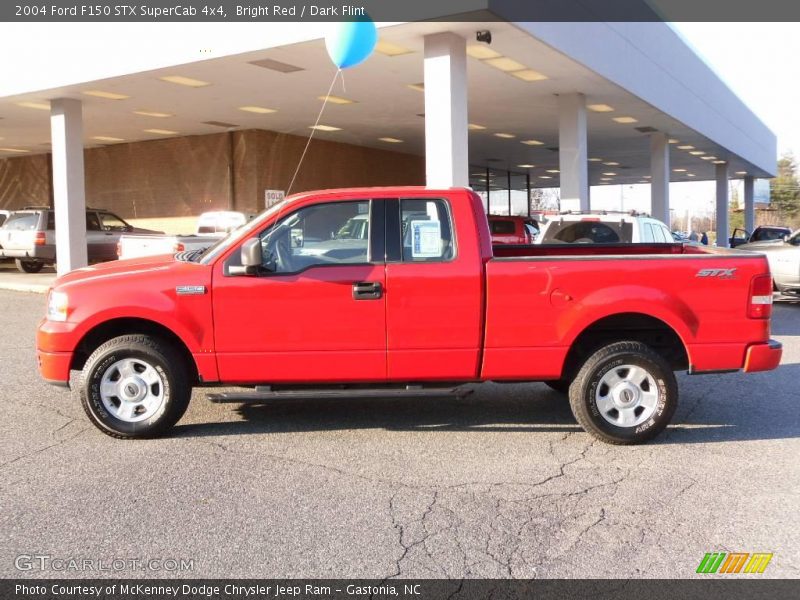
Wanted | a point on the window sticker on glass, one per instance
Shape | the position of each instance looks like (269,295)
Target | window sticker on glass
(427,239)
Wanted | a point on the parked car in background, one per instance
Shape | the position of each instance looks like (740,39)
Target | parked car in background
(680,237)
(784,261)
(211,227)
(605,227)
(29,236)
(512,230)
(764,233)
(220,222)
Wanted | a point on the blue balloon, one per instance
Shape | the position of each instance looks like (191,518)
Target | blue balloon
(350,44)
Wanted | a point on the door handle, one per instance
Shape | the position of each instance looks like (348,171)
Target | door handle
(367,290)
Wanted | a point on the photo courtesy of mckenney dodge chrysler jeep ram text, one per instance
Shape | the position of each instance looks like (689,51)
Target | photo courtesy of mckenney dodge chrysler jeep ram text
(419,305)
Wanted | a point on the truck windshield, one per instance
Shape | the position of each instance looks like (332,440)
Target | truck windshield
(222,245)
(769,234)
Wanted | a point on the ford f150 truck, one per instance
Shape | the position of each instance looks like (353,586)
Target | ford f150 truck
(418,306)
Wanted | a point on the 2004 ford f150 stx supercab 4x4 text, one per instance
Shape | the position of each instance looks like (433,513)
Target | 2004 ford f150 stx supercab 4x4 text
(294,305)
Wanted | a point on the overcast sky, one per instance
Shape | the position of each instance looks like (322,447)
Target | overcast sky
(758,62)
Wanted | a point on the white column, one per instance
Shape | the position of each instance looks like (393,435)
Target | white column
(659,177)
(572,157)
(69,194)
(446,144)
(749,204)
(722,206)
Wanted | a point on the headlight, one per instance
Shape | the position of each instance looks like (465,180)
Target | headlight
(57,306)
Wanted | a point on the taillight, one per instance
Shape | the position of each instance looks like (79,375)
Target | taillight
(40,238)
(760,303)
(178,247)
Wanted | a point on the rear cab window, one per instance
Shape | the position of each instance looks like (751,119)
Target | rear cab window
(22,221)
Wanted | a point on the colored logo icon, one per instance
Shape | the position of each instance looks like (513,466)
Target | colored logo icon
(734,562)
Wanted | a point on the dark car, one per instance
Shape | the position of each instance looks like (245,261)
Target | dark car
(764,233)
(512,230)
(29,237)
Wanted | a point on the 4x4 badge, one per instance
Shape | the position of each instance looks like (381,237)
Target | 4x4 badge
(190,290)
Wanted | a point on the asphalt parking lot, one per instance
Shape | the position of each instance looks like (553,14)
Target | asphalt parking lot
(499,484)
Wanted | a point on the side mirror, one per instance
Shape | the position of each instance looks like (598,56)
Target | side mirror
(251,258)
(251,253)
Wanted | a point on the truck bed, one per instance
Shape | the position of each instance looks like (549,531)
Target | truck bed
(540,297)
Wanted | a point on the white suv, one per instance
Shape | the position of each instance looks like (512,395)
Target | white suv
(604,227)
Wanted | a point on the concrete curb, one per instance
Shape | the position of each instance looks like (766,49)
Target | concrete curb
(25,287)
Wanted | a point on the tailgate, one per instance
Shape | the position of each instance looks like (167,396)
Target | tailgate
(15,239)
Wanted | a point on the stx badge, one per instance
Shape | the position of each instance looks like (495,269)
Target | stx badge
(721,273)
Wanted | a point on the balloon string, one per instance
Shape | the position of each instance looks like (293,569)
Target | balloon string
(313,131)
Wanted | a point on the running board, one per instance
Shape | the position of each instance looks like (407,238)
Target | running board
(265,394)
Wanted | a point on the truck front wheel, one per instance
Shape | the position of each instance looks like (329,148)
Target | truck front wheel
(625,393)
(135,386)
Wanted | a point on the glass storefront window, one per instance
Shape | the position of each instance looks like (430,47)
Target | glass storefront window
(503,192)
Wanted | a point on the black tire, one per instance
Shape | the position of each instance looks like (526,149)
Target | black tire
(559,385)
(163,358)
(582,392)
(29,266)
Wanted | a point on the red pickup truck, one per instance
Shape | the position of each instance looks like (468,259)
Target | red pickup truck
(296,305)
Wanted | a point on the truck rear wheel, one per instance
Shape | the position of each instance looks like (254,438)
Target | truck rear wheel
(135,386)
(28,266)
(625,393)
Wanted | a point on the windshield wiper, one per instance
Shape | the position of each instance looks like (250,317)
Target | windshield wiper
(189,255)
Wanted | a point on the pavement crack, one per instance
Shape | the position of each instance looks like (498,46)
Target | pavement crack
(44,449)
(398,525)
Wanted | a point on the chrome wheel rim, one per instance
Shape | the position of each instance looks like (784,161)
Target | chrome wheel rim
(132,390)
(627,396)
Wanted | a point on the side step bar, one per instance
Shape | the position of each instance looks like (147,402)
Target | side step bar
(262,394)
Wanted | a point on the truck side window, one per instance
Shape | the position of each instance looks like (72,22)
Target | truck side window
(331,233)
(647,233)
(92,222)
(426,230)
(112,222)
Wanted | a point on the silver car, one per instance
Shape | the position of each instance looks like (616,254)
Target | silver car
(784,261)
(28,236)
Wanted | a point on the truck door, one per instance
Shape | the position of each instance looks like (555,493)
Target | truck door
(317,310)
(100,245)
(434,290)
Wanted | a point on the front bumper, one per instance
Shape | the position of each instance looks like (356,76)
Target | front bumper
(763,356)
(54,344)
(54,367)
